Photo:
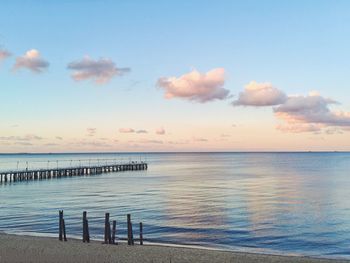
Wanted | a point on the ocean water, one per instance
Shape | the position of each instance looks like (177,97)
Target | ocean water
(279,203)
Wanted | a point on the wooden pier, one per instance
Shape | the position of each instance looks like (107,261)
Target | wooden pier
(50,173)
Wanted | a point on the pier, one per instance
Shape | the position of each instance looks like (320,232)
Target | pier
(26,175)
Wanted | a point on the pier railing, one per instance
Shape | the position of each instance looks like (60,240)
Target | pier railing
(21,165)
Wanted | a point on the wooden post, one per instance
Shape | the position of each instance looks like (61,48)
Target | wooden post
(84,228)
(109,233)
(64,229)
(141,234)
(86,235)
(114,231)
(130,233)
(60,213)
(87,231)
(108,238)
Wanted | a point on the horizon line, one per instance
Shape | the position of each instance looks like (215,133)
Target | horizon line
(169,152)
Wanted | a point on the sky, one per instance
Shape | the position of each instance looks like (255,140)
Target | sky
(92,76)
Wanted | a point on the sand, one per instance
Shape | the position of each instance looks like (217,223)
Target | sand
(15,248)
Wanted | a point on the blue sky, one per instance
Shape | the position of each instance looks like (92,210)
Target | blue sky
(298,46)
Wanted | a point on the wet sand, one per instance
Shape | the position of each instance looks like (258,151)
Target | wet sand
(15,248)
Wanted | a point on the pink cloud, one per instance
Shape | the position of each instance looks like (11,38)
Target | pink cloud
(126,130)
(141,131)
(160,131)
(147,141)
(32,61)
(260,94)
(4,54)
(198,139)
(179,142)
(100,71)
(196,86)
(299,127)
(310,114)
(26,138)
(91,131)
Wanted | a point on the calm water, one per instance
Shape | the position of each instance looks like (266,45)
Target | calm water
(284,203)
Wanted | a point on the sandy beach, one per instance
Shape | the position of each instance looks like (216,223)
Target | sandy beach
(15,248)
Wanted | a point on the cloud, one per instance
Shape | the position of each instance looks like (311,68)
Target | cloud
(196,139)
(334,130)
(260,94)
(141,131)
(160,131)
(32,61)
(29,137)
(297,114)
(179,142)
(4,54)
(85,143)
(153,141)
(59,138)
(24,143)
(299,127)
(196,86)
(147,141)
(91,131)
(20,140)
(51,144)
(310,113)
(100,71)
(126,130)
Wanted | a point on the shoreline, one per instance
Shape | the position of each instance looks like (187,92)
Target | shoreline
(24,248)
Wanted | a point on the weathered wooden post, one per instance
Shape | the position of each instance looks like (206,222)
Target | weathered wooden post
(130,233)
(86,234)
(141,234)
(128,225)
(64,229)
(114,232)
(108,238)
(60,213)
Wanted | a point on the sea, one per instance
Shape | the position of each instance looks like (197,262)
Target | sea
(285,203)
